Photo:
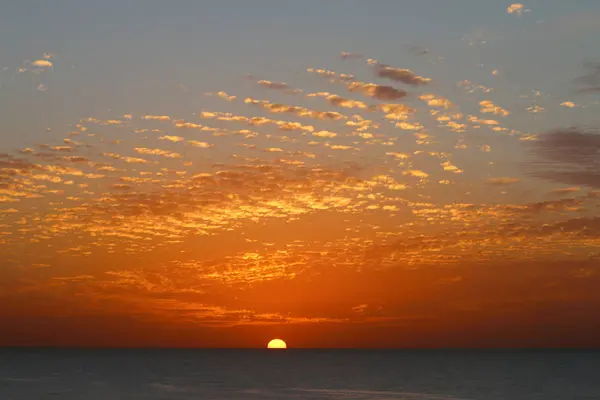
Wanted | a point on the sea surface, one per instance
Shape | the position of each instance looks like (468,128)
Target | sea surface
(39,374)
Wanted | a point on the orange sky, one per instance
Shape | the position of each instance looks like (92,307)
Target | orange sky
(410,198)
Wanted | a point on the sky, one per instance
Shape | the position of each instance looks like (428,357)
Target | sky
(412,174)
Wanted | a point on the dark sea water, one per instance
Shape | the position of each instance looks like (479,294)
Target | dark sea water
(39,374)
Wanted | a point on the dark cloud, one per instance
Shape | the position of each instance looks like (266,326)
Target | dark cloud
(377,91)
(400,75)
(581,226)
(570,156)
(591,81)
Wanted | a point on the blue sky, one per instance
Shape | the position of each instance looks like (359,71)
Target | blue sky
(133,55)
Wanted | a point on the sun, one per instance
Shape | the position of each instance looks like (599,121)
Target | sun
(276,344)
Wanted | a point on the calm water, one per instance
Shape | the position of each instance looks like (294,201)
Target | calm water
(300,374)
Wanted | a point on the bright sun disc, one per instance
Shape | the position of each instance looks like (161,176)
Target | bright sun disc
(277,344)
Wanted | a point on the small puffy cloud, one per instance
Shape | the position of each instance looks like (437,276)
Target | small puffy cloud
(488,106)
(188,125)
(399,156)
(325,134)
(226,96)
(416,173)
(346,103)
(273,85)
(535,109)
(502,181)
(157,152)
(339,101)
(332,75)
(377,91)
(156,117)
(293,126)
(174,139)
(202,145)
(346,55)
(299,111)
(397,186)
(516,8)
(340,147)
(61,148)
(121,186)
(396,111)
(75,159)
(448,166)
(433,100)
(42,63)
(569,104)
(401,75)
(41,87)
(408,126)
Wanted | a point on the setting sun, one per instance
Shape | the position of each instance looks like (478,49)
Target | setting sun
(277,344)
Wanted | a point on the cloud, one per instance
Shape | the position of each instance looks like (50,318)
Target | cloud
(416,173)
(339,101)
(299,111)
(516,8)
(590,81)
(174,139)
(434,100)
(156,117)
(273,85)
(344,55)
(42,63)
(121,186)
(401,75)
(332,75)
(203,145)
(325,134)
(567,156)
(566,190)
(377,91)
(157,152)
(226,96)
(502,181)
(487,106)
(129,160)
(191,125)
(399,156)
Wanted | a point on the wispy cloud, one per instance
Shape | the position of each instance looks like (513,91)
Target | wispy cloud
(568,156)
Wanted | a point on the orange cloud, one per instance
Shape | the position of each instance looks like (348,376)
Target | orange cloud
(157,152)
(156,117)
(273,85)
(42,63)
(502,181)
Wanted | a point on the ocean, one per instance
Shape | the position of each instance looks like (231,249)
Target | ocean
(39,374)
